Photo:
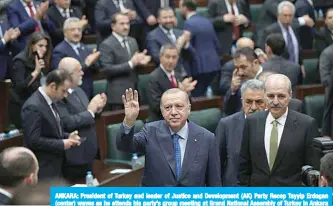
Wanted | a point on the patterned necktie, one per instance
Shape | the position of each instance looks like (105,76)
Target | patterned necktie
(273,144)
(177,153)
(291,49)
(57,118)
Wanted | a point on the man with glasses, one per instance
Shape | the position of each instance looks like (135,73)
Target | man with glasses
(229,131)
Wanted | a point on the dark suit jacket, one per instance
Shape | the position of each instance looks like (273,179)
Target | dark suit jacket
(75,116)
(4,200)
(157,85)
(326,65)
(58,20)
(42,136)
(328,115)
(229,133)
(157,38)
(65,50)
(18,17)
(226,76)
(216,10)
(295,150)
(207,50)
(114,60)
(201,164)
(154,5)
(323,39)
(281,65)
(303,7)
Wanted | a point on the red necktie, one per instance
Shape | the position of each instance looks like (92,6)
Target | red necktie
(236,33)
(173,83)
(32,15)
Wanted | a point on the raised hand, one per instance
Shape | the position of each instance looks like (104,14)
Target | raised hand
(235,81)
(131,105)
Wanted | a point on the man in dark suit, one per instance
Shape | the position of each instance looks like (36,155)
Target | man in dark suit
(229,131)
(18,168)
(137,12)
(328,115)
(275,46)
(205,62)
(178,150)
(278,142)
(165,77)
(154,5)
(230,18)
(305,7)
(29,16)
(324,37)
(58,13)
(42,127)
(325,67)
(228,67)
(77,113)
(72,47)
(166,33)
(119,58)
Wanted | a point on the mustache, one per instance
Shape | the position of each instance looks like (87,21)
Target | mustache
(275,106)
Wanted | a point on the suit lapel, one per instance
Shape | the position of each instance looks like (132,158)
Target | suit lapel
(165,140)
(75,100)
(119,47)
(162,34)
(163,78)
(261,140)
(192,146)
(71,50)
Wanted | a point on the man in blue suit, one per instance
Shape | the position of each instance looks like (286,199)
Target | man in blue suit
(205,62)
(229,131)
(72,47)
(178,152)
(29,16)
(166,33)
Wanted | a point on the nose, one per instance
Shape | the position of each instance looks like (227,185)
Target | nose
(275,100)
(173,111)
(254,106)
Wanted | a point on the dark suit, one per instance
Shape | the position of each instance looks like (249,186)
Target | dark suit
(216,10)
(226,76)
(18,17)
(303,7)
(114,60)
(280,65)
(294,151)
(229,133)
(201,164)
(42,136)
(58,20)
(326,65)
(154,5)
(205,58)
(157,85)
(65,50)
(328,115)
(4,199)
(75,116)
(157,38)
(324,38)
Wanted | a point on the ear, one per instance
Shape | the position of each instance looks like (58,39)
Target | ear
(29,179)
(323,181)
(189,108)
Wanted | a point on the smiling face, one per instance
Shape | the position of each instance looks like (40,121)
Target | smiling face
(40,47)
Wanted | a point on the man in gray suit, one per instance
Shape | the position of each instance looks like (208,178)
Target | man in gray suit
(229,131)
(119,58)
(77,113)
(274,47)
(325,66)
(278,142)
(178,152)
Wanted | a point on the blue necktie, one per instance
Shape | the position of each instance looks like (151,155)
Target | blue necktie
(290,45)
(176,148)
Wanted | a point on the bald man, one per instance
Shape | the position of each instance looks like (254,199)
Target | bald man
(228,68)
(77,113)
(18,167)
(277,142)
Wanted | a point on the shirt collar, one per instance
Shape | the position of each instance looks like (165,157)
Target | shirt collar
(73,45)
(61,9)
(70,90)
(190,15)
(165,30)
(166,72)
(183,132)
(281,120)
(118,37)
(46,97)
(5,192)
(259,71)
(283,28)
(26,5)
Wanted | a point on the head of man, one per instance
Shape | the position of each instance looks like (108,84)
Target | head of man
(120,24)
(244,42)
(326,170)
(65,4)
(166,17)
(18,167)
(73,30)
(175,107)
(329,18)
(169,57)
(286,11)
(187,6)
(72,66)
(278,94)
(253,96)
(246,63)
(57,84)
(263,75)
(275,44)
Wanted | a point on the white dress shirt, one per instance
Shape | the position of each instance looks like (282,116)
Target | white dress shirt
(234,6)
(48,100)
(268,130)
(27,8)
(169,73)
(5,192)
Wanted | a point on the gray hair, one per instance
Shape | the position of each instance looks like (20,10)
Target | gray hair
(69,21)
(252,84)
(280,76)
(285,3)
(167,46)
